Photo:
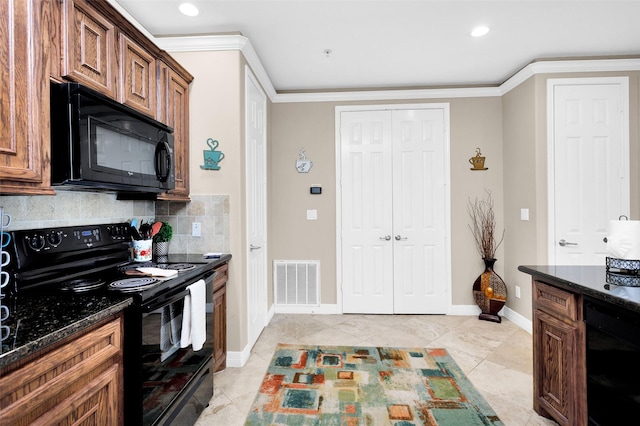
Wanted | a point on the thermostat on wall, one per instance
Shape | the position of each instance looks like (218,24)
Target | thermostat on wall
(315,189)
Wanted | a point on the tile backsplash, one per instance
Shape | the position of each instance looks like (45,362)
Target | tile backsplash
(69,208)
(211,211)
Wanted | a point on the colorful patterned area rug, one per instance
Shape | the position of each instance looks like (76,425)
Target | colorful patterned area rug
(358,386)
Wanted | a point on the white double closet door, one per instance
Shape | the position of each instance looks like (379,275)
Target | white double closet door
(394,256)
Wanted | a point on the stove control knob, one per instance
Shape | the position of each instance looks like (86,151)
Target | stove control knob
(114,232)
(54,238)
(35,242)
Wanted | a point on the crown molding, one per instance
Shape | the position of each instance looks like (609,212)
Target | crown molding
(385,95)
(221,42)
(569,66)
(241,43)
(237,42)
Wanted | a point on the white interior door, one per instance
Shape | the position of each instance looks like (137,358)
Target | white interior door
(393,211)
(367,244)
(256,162)
(419,224)
(589,140)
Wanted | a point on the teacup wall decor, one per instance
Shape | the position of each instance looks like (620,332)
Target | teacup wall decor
(478,161)
(211,156)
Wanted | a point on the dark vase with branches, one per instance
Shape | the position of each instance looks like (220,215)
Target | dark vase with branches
(489,290)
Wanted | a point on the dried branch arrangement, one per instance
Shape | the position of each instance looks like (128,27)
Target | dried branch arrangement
(483,226)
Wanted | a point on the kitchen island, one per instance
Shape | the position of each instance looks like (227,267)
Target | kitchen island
(586,328)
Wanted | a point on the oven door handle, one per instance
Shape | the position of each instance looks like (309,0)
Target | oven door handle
(164,301)
(173,298)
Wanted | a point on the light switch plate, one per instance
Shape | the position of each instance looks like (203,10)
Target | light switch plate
(524,214)
(312,214)
(196,229)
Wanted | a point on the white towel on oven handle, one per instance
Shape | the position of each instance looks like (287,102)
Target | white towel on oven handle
(194,327)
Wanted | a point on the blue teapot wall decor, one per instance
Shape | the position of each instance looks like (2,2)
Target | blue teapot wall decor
(211,156)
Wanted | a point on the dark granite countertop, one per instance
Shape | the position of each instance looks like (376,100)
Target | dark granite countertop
(592,281)
(36,321)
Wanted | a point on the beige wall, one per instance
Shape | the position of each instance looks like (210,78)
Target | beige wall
(525,175)
(475,122)
(216,110)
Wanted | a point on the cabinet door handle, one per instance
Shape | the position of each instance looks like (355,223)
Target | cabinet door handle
(386,238)
(566,243)
(399,238)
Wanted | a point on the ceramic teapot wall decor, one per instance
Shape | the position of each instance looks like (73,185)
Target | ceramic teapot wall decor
(211,156)
(302,164)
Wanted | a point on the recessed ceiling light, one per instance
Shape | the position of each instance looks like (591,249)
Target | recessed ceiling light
(479,31)
(188,9)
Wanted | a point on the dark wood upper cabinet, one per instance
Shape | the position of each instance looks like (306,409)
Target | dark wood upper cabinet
(88,42)
(138,84)
(173,109)
(88,50)
(24,105)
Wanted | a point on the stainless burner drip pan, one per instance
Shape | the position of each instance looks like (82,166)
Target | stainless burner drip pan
(82,285)
(180,267)
(133,284)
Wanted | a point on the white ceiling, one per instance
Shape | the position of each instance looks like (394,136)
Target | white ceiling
(401,44)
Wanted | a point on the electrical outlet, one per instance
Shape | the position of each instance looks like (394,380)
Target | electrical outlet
(196,229)
(517,292)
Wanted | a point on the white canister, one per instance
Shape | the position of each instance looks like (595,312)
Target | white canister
(142,250)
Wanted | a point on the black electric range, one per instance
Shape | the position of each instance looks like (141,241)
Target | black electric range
(164,377)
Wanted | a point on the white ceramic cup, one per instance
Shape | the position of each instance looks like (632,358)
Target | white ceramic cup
(142,250)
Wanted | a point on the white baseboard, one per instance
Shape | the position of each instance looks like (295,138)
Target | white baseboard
(313,310)
(518,320)
(238,359)
(464,310)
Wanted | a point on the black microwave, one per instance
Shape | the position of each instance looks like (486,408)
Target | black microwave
(100,144)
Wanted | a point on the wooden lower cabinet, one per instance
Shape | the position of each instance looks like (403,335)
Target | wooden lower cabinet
(559,358)
(78,383)
(220,317)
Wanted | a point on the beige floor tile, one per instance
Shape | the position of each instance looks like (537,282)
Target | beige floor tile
(497,358)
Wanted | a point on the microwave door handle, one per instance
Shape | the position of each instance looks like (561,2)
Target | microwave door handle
(163,147)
